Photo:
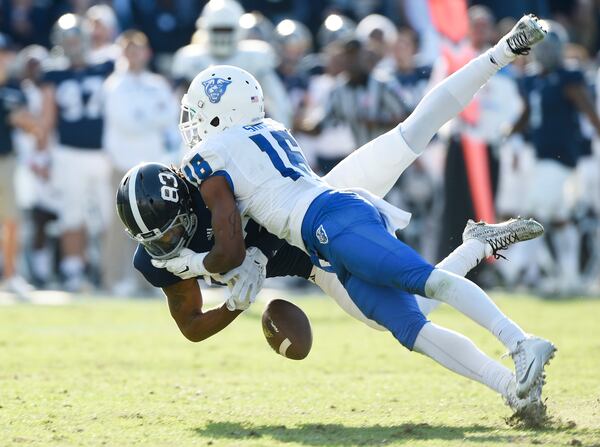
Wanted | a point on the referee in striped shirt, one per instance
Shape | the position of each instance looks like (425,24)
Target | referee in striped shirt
(352,100)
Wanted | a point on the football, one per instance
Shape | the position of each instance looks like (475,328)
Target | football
(287,329)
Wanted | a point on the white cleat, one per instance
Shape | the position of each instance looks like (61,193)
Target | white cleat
(527,412)
(525,34)
(530,357)
(531,402)
(502,235)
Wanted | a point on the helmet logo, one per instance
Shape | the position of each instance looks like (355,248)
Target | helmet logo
(215,88)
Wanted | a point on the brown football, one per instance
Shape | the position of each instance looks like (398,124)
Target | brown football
(287,329)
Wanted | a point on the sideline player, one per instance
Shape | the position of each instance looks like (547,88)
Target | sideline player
(218,41)
(72,103)
(241,159)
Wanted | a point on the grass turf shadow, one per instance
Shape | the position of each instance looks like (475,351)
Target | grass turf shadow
(341,435)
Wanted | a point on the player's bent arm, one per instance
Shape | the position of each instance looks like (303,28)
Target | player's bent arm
(185,305)
(229,250)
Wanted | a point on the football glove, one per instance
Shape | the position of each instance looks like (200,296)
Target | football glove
(188,264)
(244,282)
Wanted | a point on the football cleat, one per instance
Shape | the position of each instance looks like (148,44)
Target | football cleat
(502,235)
(530,357)
(526,33)
(530,409)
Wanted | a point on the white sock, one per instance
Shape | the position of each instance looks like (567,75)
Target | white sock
(445,101)
(465,257)
(500,54)
(460,262)
(459,354)
(468,298)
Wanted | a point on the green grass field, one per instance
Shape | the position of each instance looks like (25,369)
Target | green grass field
(118,373)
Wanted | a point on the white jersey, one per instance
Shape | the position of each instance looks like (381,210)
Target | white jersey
(267,172)
(254,56)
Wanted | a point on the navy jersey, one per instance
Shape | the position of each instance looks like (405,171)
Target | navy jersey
(554,125)
(78,95)
(284,259)
(11,99)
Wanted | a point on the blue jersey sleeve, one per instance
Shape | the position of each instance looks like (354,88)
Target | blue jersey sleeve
(155,276)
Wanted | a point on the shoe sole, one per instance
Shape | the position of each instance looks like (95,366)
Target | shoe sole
(522,390)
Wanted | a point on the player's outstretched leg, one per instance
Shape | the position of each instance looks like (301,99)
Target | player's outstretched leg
(349,233)
(397,311)
(450,96)
(480,240)
(460,355)
(529,353)
(377,165)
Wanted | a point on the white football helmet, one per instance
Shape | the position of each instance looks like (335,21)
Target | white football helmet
(218,98)
(220,23)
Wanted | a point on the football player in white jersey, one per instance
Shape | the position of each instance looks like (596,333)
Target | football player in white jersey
(218,41)
(242,161)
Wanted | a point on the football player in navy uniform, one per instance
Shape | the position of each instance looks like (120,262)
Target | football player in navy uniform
(72,104)
(555,95)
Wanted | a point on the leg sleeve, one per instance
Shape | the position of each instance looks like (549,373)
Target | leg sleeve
(471,301)
(446,101)
(460,355)
(376,166)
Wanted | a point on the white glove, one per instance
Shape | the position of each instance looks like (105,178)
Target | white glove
(188,264)
(244,282)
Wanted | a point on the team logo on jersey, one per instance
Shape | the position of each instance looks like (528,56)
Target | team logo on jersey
(322,235)
(215,88)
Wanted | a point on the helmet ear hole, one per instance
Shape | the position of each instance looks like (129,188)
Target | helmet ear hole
(215,121)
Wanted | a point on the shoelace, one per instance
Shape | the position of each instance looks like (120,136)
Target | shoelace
(518,43)
(502,243)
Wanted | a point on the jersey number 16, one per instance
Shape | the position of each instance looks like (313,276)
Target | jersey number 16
(284,139)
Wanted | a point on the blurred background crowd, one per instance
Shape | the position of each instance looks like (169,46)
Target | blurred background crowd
(90,88)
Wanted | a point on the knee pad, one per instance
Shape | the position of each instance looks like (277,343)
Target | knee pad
(438,283)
